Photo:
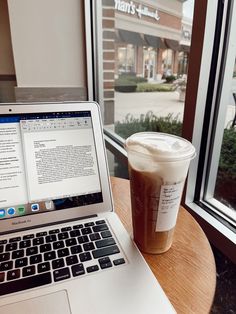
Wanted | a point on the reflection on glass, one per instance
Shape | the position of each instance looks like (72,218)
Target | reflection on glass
(149,67)
(226,176)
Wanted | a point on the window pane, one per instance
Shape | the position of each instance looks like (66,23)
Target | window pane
(226,174)
(221,169)
(145,62)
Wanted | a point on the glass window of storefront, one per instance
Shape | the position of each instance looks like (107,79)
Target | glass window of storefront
(154,96)
(126,59)
(167,62)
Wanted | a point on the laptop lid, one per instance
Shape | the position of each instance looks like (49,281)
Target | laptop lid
(52,164)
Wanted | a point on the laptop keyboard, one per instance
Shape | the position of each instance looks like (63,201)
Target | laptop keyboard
(34,260)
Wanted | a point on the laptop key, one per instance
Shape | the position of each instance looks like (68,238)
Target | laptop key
(83,239)
(62,236)
(58,263)
(106,251)
(25,283)
(88,246)
(100,222)
(54,231)
(61,274)
(75,233)
(1,248)
(94,236)
(78,226)
(13,274)
(63,252)
(28,271)
(24,244)
(92,268)
(16,239)
(86,256)
(21,262)
(76,249)
(85,231)
(58,245)
(41,234)
(119,261)
(78,270)
(28,236)
(106,234)
(6,265)
(49,255)
(99,228)
(66,229)
(3,242)
(89,224)
(105,262)
(32,250)
(70,242)
(17,254)
(35,259)
(105,242)
(4,257)
(51,238)
(11,246)
(45,247)
(38,241)
(71,260)
(42,267)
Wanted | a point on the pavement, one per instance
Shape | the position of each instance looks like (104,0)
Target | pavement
(160,103)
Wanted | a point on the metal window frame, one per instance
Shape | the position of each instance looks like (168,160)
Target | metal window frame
(198,193)
(227,65)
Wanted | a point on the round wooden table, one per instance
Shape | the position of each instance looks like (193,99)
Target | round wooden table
(187,271)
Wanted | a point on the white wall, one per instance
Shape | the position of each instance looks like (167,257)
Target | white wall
(6,57)
(48,42)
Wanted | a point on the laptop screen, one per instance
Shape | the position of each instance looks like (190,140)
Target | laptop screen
(48,162)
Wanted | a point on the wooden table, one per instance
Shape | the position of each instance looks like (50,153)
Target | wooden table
(187,271)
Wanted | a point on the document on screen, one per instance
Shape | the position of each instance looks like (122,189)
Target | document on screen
(12,173)
(60,163)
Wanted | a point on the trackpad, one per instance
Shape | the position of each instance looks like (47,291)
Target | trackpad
(53,303)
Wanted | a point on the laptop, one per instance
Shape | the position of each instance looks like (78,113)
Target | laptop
(62,247)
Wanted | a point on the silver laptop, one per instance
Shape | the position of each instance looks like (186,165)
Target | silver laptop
(62,247)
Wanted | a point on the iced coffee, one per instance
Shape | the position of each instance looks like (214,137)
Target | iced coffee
(158,165)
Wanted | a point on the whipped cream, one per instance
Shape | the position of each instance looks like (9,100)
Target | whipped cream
(160,146)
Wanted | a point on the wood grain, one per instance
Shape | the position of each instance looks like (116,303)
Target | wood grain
(187,271)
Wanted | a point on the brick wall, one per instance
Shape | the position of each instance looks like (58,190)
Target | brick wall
(108,25)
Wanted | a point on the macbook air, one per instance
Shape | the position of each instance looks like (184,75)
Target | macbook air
(62,247)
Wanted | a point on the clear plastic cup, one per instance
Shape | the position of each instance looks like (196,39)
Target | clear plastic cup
(158,166)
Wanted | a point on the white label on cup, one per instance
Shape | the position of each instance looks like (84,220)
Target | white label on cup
(170,197)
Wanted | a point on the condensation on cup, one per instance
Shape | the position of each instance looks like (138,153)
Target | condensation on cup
(158,166)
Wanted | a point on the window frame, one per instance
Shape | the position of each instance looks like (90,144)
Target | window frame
(219,232)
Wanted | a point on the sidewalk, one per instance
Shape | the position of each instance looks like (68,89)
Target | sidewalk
(160,103)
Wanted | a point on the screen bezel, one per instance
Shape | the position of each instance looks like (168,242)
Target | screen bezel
(58,216)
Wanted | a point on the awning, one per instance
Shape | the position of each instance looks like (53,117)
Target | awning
(172,44)
(184,48)
(155,42)
(131,38)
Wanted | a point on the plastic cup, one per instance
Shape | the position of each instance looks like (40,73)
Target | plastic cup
(158,166)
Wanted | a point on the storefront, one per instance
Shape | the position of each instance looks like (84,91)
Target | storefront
(149,40)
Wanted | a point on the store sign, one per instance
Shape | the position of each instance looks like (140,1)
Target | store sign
(131,8)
